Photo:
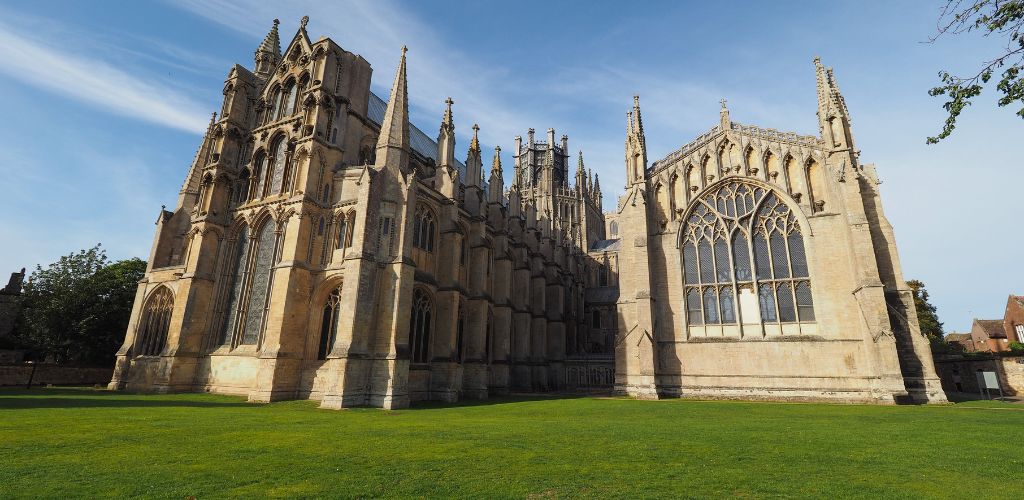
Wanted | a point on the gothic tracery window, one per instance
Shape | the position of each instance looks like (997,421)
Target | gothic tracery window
(259,284)
(423,230)
(420,327)
(329,323)
(234,280)
(278,164)
(741,238)
(156,320)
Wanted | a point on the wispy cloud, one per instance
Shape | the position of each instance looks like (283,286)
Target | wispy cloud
(97,82)
(377,30)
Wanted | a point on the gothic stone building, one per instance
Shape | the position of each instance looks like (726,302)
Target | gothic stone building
(323,247)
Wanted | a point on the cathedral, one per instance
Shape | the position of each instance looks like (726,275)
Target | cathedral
(323,247)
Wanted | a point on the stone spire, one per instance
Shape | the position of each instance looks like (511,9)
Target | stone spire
(636,146)
(393,142)
(474,163)
(268,54)
(446,138)
(833,115)
(496,183)
(581,175)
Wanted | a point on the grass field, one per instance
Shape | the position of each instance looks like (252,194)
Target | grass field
(87,443)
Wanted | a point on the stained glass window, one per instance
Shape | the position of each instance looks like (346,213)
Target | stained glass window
(277,178)
(719,257)
(259,291)
(235,285)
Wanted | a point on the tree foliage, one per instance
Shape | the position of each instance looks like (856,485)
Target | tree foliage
(927,314)
(77,308)
(998,18)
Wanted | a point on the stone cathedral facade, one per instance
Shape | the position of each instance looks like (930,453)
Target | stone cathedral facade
(323,247)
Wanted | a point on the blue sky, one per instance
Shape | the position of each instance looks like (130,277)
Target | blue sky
(105,102)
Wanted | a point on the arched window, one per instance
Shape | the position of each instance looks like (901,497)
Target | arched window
(242,189)
(259,168)
(325,198)
(743,237)
(276,112)
(278,162)
(329,323)
(423,229)
(259,289)
(156,320)
(613,229)
(602,274)
(343,233)
(420,327)
(289,98)
(234,277)
(595,319)
(303,85)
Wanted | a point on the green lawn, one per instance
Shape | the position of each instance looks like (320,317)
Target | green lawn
(88,443)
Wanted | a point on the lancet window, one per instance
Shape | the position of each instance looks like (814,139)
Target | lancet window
(329,323)
(420,327)
(278,162)
(741,239)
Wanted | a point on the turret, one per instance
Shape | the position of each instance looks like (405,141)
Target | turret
(495,183)
(268,54)
(724,122)
(474,163)
(833,116)
(581,176)
(446,138)
(636,146)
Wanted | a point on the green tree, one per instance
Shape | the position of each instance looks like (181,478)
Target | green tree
(78,307)
(997,18)
(926,312)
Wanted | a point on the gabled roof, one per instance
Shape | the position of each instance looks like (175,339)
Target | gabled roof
(958,337)
(991,327)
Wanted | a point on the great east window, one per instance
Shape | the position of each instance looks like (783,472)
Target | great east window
(744,259)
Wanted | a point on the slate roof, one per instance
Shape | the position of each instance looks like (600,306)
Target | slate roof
(606,245)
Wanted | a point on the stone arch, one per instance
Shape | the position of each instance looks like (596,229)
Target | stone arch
(817,190)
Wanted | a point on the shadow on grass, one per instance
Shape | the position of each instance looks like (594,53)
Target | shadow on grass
(84,397)
(494,400)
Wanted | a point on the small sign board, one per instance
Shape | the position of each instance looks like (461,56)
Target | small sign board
(991,381)
(988,381)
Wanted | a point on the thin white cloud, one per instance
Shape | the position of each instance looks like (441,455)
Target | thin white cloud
(96,82)
(377,30)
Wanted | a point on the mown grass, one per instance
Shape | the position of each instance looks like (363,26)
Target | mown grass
(87,443)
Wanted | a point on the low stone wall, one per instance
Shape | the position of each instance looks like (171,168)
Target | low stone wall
(958,369)
(18,374)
